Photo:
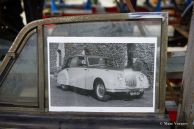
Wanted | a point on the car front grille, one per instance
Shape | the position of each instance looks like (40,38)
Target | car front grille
(131,83)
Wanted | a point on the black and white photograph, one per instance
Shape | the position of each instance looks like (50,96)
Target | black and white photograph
(101,74)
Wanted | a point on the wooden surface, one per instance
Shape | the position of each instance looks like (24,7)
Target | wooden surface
(187,111)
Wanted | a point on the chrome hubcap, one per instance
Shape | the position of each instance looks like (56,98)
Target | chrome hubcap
(100,90)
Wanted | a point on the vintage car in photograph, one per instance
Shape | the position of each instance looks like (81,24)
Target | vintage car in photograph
(95,73)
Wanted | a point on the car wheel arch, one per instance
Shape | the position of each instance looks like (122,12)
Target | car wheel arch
(104,96)
(98,80)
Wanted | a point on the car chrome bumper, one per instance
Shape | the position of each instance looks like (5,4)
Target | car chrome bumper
(126,90)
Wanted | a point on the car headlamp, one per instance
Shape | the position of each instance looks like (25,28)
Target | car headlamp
(141,77)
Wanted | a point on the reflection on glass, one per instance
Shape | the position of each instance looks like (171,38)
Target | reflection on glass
(127,28)
(106,29)
(20,84)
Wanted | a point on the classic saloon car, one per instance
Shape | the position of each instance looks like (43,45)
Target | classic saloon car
(96,73)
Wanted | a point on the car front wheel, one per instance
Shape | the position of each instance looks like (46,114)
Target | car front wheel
(100,91)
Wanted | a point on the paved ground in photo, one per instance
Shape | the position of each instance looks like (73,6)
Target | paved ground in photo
(60,97)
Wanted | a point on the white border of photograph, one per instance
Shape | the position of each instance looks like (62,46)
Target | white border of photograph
(101,40)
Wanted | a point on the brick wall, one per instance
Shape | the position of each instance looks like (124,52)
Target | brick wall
(53,57)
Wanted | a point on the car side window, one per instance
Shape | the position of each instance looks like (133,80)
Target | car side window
(67,63)
(81,61)
(93,61)
(21,83)
(77,62)
(74,62)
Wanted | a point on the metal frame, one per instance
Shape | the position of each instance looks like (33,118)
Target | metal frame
(163,59)
(41,82)
(90,18)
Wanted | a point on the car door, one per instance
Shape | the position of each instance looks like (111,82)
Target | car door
(77,72)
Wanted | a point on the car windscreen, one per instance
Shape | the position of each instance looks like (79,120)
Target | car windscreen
(101,62)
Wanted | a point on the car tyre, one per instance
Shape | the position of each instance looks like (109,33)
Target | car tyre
(140,95)
(100,91)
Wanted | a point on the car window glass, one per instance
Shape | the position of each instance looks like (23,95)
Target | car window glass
(20,85)
(93,61)
(74,62)
(102,62)
(67,63)
(81,61)
(4,47)
(109,28)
